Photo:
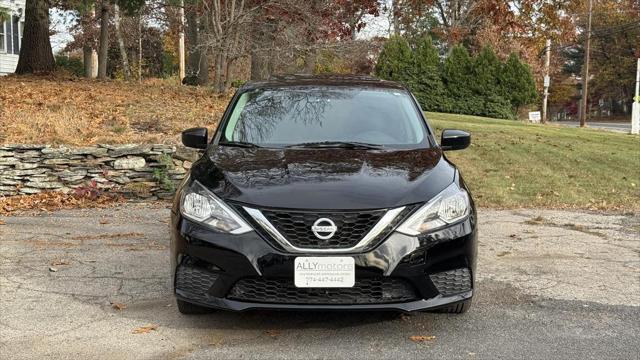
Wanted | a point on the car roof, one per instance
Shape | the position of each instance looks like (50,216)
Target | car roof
(322,80)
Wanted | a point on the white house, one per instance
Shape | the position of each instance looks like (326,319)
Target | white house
(10,34)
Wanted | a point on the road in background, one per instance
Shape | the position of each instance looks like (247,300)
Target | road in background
(611,126)
(95,284)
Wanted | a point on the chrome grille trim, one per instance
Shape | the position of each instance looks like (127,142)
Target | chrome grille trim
(387,219)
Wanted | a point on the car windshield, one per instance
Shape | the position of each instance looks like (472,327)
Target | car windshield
(299,116)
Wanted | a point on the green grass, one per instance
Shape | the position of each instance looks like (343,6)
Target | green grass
(512,164)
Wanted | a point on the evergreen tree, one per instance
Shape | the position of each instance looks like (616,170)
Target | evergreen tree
(395,61)
(457,73)
(425,82)
(516,82)
(485,70)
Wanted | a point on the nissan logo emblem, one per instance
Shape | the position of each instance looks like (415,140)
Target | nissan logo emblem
(324,228)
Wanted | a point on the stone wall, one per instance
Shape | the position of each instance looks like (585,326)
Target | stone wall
(135,170)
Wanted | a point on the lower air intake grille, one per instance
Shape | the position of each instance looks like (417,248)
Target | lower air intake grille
(452,282)
(194,281)
(283,291)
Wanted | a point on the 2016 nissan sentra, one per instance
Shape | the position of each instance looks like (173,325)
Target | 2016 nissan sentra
(325,193)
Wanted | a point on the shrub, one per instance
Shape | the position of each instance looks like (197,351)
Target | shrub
(457,73)
(425,82)
(396,60)
(516,83)
(484,72)
(463,84)
(71,64)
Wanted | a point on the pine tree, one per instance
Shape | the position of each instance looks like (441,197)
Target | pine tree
(426,83)
(486,69)
(396,60)
(516,82)
(457,73)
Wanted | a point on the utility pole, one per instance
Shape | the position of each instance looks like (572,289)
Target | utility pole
(181,57)
(547,80)
(635,108)
(585,75)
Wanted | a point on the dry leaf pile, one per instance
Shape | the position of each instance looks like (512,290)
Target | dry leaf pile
(49,201)
(64,110)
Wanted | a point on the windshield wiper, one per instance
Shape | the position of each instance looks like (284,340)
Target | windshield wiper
(243,144)
(337,144)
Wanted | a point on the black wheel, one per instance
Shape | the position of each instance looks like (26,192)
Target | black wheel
(188,308)
(457,308)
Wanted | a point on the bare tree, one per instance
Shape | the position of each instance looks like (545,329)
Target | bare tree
(123,52)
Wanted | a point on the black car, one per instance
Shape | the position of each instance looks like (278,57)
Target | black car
(324,193)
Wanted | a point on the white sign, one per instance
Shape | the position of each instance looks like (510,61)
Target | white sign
(534,116)
(547,81)
(324,272)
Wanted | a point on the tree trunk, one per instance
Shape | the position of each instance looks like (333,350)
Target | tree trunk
(90,61)
(217,80)
(310,61)
(104,40)
(259,65)
(197,62)
(227,77)
(123,51)
(36,55)
(140,48)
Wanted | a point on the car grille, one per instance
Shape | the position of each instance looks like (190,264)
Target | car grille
(296,227)
(452,282)
(283,291)
(194,281)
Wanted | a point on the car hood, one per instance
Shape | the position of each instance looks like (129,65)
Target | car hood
(323,178)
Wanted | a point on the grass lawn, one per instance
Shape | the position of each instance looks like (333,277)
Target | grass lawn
(513,164)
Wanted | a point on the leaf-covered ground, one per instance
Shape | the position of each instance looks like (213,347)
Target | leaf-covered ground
(73,111)
(513,164)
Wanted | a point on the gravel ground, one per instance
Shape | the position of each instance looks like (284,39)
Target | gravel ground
(552,284)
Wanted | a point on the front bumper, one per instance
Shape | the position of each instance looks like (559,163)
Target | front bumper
(439,269)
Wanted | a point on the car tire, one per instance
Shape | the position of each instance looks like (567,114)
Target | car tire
(457,308)
(188,308)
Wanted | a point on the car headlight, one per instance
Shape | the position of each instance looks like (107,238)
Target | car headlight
(448,207)
(202,206)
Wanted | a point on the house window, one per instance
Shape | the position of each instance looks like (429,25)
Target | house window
(16,34)
(7,35)
(2,47)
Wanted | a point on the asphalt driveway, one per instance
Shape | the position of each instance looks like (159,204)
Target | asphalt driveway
(94,284)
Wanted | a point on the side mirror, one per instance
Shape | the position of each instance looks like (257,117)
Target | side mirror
(455,140)
(195,138)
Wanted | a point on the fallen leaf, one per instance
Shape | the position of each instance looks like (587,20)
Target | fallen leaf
(273,333)
(118,306)
(103,222)
(145,329)
(60,262)
(421,338)
(52,269)
(513,235)
(2,222)
(503,253)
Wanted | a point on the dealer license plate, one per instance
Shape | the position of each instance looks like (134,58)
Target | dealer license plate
(324,272)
